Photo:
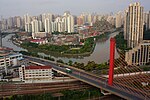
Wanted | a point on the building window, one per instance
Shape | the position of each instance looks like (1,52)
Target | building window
(133,58)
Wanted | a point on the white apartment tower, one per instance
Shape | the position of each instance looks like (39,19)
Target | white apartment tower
(70,21)
(28,27)
(35,26)
(46,16)
(118,20)
(133,24)
(64,20)
(48,26)
(27,18)
(27,22)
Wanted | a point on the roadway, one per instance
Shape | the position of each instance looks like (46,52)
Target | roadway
(93,80)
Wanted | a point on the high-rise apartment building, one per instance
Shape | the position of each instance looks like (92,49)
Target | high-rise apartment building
(10,22)
(27,23)
(35,26)
(64,20)
(28,27)
(46,16)
(27,18)
(48,26)
(118,20)
(89,19)
(133,24)
(17,22)
(79,21)
(70,20)
(4,25)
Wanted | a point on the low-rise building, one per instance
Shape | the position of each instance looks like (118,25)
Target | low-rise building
(10,59)
(35,74)
(39,41)
(139,55)
(37,35)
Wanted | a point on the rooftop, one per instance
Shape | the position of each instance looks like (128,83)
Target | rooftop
(38,67)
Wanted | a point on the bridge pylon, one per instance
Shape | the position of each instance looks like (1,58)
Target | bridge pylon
(111,63)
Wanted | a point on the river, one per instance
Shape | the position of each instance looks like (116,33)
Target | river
(99,55)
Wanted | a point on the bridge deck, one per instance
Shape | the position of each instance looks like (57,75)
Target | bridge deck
(99,82)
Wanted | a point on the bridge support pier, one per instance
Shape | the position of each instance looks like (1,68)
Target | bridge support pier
(111,64)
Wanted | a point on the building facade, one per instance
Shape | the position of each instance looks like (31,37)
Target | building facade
(35,26)
(140,55)
(8,59)
(70,24)
(35,74)
(118,20)
(37,35)
(48,26)
(133,24)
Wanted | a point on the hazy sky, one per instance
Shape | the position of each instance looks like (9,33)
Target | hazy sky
(36,7)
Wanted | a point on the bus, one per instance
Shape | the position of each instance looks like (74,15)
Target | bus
(68,70)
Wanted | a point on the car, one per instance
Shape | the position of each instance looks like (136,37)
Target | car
(68,70)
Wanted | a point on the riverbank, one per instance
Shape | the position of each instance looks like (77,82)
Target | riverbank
(65,50)
(100,53)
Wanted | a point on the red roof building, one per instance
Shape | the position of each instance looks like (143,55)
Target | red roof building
(37,67)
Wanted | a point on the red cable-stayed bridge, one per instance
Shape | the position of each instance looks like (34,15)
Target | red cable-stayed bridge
(128,86)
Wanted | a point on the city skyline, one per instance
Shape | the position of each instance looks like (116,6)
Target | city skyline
(35,7)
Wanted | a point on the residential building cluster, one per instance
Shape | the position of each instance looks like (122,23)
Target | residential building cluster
(41,27)
(11,22)
(65,39)
(49,22)
(135,23)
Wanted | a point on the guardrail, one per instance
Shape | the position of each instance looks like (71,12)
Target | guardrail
(127,74)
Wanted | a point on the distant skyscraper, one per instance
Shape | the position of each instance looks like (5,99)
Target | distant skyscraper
(35,26)
(118,20)
(10,22)
(89,19)
(28,27)
(18,22)
(40,26)
(45,16)
(4,25)
(27,23)
(27,19)
(48,26)
(79,21)
(64,20)
(70,20)
(133,25)
(52,26)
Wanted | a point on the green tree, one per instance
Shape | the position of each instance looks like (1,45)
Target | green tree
(70,62)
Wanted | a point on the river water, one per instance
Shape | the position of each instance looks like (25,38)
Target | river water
(99,55)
